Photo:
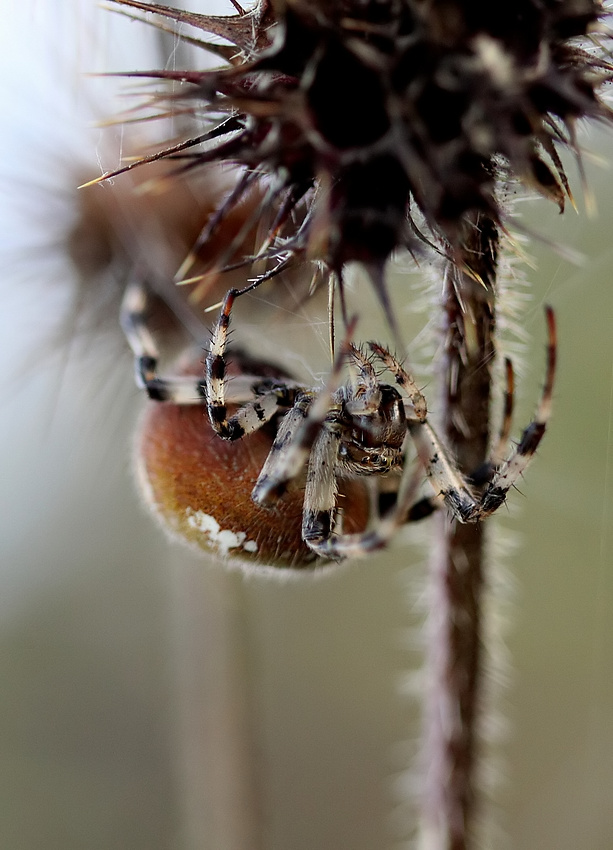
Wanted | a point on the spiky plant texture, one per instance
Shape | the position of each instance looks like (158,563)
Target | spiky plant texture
(377,120)
(373,125)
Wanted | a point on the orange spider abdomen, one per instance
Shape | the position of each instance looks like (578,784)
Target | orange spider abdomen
(199,487)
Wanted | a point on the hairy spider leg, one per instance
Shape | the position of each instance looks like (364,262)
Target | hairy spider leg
(271,482)
(133,319)
(253,414)
(314,411)
(321,489)
(181,390)
(369,399)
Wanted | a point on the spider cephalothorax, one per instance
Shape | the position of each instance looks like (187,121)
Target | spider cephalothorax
(388,114)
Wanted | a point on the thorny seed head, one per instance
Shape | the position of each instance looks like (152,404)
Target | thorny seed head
(370,121)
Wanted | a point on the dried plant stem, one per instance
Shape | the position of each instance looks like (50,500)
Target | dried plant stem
(458,559)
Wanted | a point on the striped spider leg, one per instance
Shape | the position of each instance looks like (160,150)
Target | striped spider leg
(133,318)
(187,389)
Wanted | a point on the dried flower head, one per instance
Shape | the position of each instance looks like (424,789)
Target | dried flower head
(372,120)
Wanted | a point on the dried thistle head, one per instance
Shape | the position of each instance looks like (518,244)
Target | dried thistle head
(371,121)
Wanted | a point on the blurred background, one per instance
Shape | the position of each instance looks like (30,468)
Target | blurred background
(151,699)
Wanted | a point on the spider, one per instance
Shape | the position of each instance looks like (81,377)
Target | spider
(348,429)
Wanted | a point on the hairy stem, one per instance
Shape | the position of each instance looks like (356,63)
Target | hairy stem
(458,559)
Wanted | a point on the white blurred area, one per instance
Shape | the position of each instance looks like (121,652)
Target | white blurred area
(86,753)
(153,701)
(142,688)
(91,721)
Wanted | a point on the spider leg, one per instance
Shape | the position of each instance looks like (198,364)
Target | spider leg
(273,478)
(251,415)
(403,379)
(369,398)
(133,319)
(320,492)
(514,467)
(314,410)
(189,389)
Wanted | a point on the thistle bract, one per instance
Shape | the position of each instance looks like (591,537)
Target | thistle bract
(377,124)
